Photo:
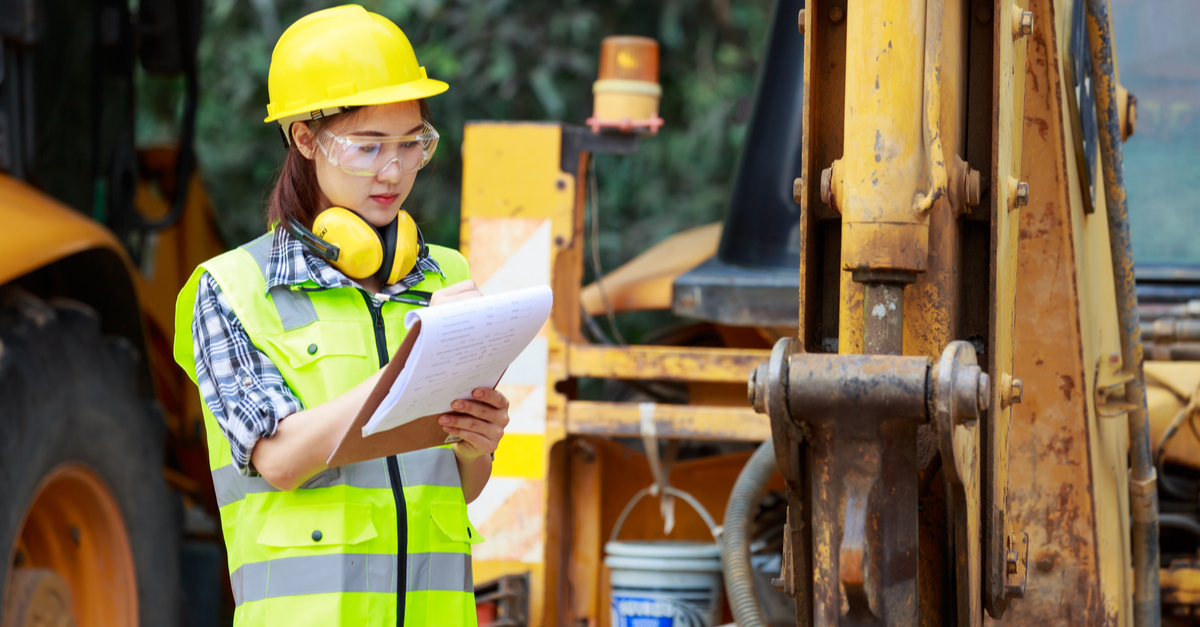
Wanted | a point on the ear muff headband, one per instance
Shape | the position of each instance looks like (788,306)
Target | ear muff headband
(407,246)
(359,250)
(387,236)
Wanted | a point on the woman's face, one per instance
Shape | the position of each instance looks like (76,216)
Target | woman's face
(376,198)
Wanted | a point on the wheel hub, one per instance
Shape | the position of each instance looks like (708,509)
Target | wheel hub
(37,597)
(72,563)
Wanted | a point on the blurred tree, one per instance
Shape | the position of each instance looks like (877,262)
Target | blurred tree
(504,60)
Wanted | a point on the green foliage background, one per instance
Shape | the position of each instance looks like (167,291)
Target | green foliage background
(504,60)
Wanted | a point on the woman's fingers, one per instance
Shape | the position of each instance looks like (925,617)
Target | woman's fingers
(467,423)
(481,443)
(485,411)
(480,423)
(484,436)
(491,397)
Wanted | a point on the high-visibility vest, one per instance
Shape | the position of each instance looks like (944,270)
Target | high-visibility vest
(330,553)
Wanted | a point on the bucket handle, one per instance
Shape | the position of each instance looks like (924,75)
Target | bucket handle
(691,500)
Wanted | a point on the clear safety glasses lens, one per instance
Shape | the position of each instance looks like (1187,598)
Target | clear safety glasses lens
(368,156)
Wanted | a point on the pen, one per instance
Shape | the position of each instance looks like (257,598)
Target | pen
(413,297)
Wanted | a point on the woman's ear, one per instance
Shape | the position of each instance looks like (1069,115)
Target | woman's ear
(304,139)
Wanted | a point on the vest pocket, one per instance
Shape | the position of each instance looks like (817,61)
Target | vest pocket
(316,526)
(306,346)
(452,524)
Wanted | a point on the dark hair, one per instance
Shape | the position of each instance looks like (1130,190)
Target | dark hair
(296,195)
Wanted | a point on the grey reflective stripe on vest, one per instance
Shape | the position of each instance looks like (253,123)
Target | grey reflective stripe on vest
(295,308)
(349,572)
(232,487)
(431,466)
(449,572)
(313,574)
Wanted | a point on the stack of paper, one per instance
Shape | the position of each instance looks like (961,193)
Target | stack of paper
(460,346)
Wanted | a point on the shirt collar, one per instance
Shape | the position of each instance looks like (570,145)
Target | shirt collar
(290,263)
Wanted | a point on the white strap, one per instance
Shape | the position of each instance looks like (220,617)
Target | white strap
(660,470)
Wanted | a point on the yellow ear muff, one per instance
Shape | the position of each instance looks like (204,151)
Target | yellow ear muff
(407,248)
(361,250)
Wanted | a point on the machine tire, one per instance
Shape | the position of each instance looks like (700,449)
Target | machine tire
(69,394)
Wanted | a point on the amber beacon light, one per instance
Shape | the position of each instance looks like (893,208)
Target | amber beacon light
(627,92)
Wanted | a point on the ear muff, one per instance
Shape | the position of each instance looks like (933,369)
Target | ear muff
(401,245)
(359,250)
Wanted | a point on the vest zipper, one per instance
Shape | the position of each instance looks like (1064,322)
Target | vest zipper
(393,467)
(401,538)
(377,323)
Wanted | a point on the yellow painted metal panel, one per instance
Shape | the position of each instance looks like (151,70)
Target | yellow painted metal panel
(1010,70)
(520,455)
(1051,494)
(512,170)
(713,365)
(1099,330)
(693,422)
(1069,466)
(513,183)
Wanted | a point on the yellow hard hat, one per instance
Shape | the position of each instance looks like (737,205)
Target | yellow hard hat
(342,57)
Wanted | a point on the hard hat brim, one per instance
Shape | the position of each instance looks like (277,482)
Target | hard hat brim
(412,90)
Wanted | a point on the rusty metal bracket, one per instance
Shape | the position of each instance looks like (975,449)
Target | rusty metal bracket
(1110,387)
(1016,565)
(768,392)
(862,412)
(961,393)
(859,415)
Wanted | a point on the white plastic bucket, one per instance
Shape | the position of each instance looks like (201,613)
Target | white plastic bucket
(665,583)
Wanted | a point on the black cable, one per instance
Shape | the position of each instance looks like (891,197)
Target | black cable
(1169,484)
(1181,522)
(596,271)
(597,333)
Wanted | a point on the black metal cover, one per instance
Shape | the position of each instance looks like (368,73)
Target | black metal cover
(754,278)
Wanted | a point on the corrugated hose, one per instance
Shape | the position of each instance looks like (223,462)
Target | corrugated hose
(736,536)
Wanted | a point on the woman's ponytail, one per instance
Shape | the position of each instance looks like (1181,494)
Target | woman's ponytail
(296,194)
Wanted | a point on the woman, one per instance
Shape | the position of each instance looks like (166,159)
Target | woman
(286,336)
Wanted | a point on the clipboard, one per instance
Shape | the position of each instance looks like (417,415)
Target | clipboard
(424,432)
(501,324)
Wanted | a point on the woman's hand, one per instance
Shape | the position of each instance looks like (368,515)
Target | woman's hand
(463,290)
(480,423)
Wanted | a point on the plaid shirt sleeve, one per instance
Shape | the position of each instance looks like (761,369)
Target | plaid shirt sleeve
(241,386)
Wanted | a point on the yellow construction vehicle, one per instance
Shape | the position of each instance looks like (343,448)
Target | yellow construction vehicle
(926,280)
(924,285)
(95,419)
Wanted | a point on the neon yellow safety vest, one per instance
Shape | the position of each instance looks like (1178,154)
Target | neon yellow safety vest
(329,553)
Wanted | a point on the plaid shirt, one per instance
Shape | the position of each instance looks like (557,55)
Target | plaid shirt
(241,386)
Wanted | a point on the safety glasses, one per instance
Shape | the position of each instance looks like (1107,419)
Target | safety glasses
(368,156)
